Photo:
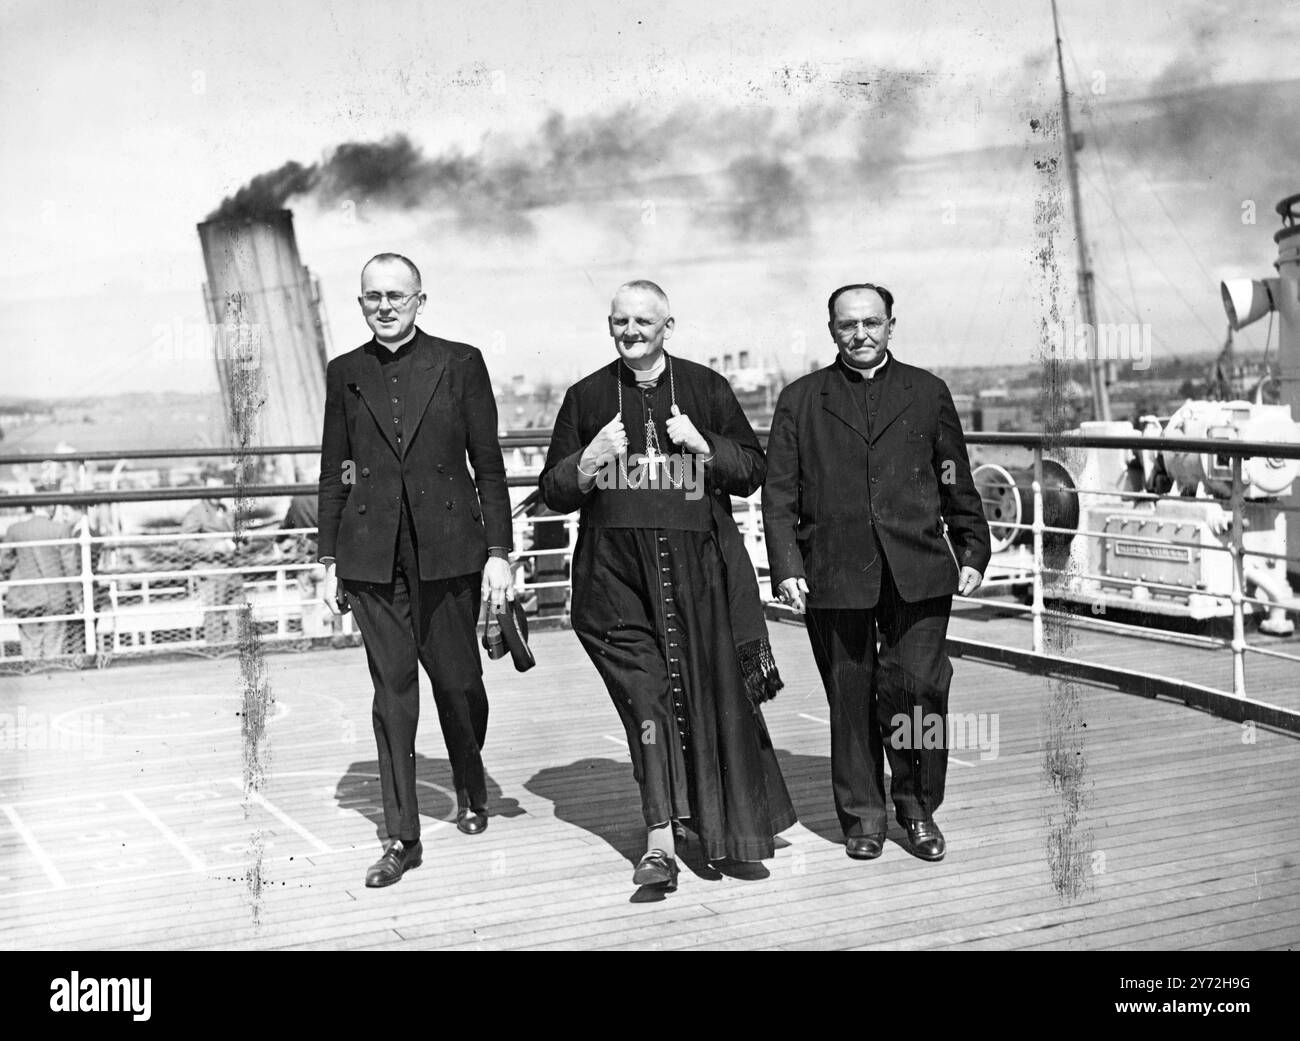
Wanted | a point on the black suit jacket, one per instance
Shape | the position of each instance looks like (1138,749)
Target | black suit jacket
(837,497)
(450,417)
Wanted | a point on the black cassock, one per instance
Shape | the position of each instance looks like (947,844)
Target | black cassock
(651,604)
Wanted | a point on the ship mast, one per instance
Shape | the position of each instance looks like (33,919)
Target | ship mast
(1087,303)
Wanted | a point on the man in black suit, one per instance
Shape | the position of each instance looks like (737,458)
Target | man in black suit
(872,523)
(414,540)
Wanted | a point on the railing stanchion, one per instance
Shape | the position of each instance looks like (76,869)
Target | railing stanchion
(1238,583)
(113,600)
(571,527)
(281,600)
(87,585)
(1037,528)
(753,522)
(518,569)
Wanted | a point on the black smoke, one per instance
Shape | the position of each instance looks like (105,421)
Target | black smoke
(267,192)
(752,168)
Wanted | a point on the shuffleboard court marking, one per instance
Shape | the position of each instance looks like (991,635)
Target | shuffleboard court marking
(351,811)
(200,791)
(188,758)
(192,786)
(282,817)
(419,781)
(57,881)
(187,793)
(281,712)
(214,870)
(191,858)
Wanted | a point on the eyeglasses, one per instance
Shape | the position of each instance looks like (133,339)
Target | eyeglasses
(394,299)
(872,325)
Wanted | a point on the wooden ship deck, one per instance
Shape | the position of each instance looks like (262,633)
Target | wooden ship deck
(125,823)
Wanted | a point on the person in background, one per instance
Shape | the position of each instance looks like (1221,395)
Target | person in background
(220,594)
(309,582)
(91,518)
(20,561)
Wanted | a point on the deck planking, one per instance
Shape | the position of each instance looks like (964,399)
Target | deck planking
(151,844)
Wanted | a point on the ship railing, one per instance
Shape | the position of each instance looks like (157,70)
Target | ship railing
(134,594)
(1048,599)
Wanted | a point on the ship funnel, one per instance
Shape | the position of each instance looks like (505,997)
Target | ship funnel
(273,387)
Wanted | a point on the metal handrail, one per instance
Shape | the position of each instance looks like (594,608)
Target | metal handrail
(542,438)
(1039,571)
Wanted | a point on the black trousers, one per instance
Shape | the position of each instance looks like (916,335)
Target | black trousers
(889,703)
(405,623)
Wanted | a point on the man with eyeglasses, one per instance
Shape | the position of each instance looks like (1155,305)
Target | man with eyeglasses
(872,523)
(415,541)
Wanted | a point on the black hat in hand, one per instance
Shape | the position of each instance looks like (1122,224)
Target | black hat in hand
(505,631)
(514,628)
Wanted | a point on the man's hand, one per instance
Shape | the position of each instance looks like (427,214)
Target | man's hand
(794,591)
(609,442)
(969,581)
(681,431)
(330,591)
(498,583)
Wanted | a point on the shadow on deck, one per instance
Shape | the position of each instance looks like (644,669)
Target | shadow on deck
(124,824)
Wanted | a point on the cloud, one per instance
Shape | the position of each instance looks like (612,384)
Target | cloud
(1237,140)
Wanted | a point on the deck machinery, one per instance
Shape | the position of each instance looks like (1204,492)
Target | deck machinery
(1156,522)
(1161,555)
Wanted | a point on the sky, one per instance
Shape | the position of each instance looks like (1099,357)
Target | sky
(749,158)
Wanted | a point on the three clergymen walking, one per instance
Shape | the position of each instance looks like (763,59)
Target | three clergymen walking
(872,523)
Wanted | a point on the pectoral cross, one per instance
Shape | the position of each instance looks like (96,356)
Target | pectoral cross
(653,456)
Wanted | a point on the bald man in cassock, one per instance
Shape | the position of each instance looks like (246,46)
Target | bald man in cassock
(649,449)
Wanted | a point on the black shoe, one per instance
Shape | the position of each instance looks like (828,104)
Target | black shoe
(398,859)
(924,839)
(656,868)
(865,847)
(471,822)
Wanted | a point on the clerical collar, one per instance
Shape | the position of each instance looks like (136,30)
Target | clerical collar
(862,374)
(652,374)
(393,348)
